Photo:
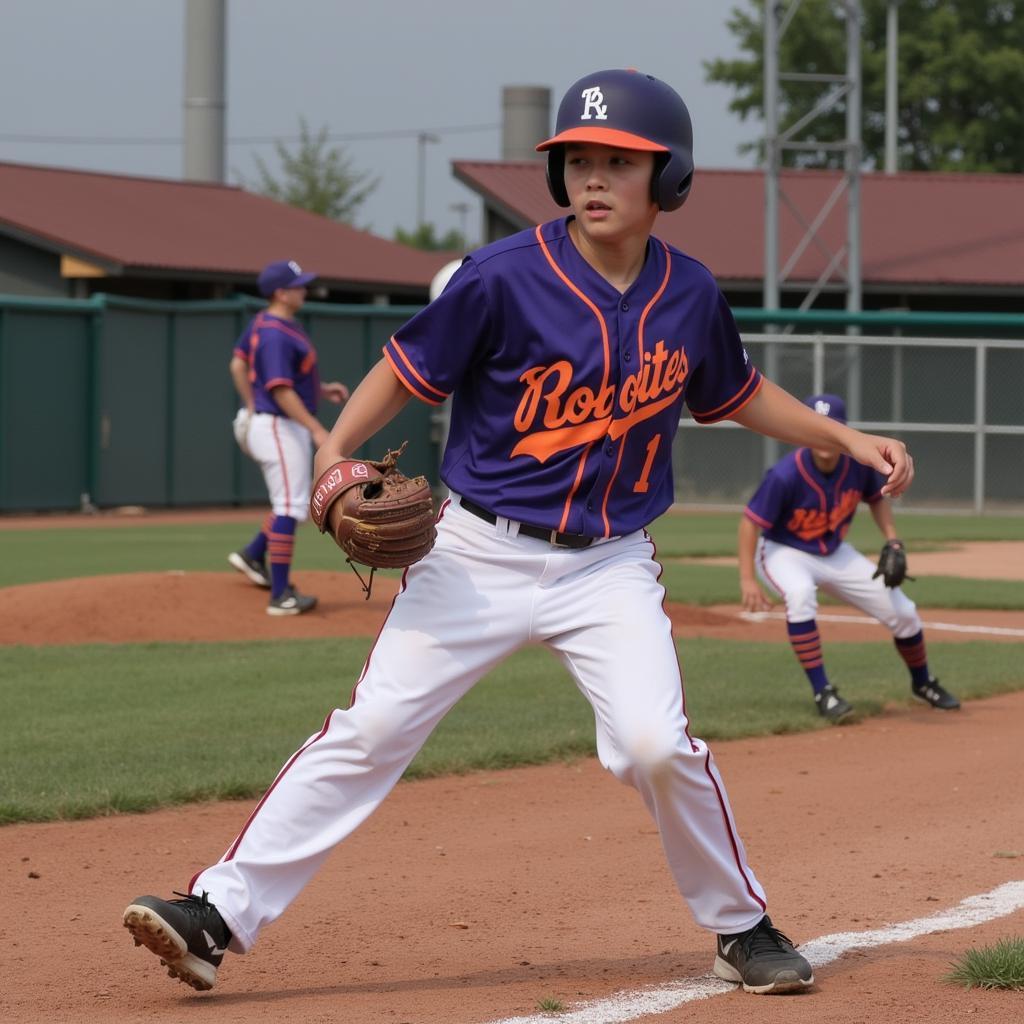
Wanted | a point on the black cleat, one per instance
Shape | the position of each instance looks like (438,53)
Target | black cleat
(763,960)
(933,694)
(291,602)
(253,571)
(831,705)
(188,935)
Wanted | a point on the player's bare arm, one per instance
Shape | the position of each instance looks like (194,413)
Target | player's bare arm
(776,413)
(292,406)
(751,594)
(239,370)
(881,512)
(375,403)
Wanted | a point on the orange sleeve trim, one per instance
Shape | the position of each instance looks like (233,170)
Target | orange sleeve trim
(724,410)
(413,371)
(755,518)
(406,384)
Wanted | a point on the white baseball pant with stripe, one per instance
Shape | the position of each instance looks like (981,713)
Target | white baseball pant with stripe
(846,574)
(481,593)
(284,451)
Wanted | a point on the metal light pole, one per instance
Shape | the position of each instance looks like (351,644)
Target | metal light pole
(462,209)
(891,77)
(421,175)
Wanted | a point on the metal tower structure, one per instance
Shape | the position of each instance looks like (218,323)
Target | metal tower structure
(843,265)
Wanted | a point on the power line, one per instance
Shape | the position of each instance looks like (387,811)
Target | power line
(243,140)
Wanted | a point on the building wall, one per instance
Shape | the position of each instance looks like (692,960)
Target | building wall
(28,270)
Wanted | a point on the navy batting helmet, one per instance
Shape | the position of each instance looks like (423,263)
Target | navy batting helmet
(631,110)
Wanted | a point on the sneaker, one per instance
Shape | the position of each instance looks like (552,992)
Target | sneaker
(762,960)
(255,572)
(831,705)
(291,602)
(937,696)
(188,935)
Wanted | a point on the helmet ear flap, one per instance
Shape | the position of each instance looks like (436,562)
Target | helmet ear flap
(555,171)
(671,180)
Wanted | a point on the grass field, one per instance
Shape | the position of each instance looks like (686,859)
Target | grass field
(98,729)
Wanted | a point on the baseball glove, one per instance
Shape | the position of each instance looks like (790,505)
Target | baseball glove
(376,514)
(892,564)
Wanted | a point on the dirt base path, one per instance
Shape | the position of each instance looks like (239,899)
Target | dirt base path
(469,899)
(217,606)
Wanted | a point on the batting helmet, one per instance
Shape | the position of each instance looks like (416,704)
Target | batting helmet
(631,110)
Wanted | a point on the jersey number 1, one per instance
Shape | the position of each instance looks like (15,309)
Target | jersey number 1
(642,486)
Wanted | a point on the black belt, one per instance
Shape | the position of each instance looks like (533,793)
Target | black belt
(559,540)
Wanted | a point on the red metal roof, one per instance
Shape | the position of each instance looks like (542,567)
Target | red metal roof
(125,222)
(918,229)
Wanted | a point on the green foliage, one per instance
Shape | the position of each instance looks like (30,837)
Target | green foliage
(103,729)
(424,237)
(961,76)
(550,1005)
(997,966)
(316,177)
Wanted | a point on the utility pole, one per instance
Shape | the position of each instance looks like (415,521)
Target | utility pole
(891,85)
(421,175)
(205,35)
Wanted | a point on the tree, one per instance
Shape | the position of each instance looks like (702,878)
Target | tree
(961,79)
(424,238)
(316,177)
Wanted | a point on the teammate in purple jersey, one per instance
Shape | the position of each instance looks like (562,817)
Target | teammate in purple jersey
(568,352)
(274,369)
(791,537)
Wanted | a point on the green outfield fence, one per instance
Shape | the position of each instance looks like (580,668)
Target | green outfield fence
(110,401)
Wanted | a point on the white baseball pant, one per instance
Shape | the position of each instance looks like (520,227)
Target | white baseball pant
(481,593)
(797,575)
(284,451)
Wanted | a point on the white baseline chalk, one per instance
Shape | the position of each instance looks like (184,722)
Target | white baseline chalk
(625,1006)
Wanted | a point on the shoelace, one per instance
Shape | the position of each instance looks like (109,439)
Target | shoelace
(765,938)
(193,904)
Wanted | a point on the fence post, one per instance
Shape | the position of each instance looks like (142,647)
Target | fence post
(818,357)
(980,369)
(92,401)
(169,443)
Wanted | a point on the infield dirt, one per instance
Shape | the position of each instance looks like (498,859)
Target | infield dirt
(469,899)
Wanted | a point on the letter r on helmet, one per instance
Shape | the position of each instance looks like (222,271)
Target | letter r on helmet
(593,100)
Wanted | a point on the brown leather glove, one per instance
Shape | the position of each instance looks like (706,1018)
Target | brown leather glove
(376,514)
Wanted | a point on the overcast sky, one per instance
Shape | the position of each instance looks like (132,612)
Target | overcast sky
(92,70)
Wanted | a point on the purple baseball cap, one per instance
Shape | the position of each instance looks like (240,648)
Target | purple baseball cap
(282,274)
(831,406)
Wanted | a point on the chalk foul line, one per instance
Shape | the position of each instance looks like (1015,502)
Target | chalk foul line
(948,627)
(626,1006)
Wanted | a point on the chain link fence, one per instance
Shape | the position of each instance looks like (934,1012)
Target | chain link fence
(958,403)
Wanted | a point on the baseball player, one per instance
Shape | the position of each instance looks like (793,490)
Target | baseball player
(791,536)
(568,351)
(274,370)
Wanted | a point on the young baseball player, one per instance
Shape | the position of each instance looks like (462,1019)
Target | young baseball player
(568,351)
(791,537)
(274,370)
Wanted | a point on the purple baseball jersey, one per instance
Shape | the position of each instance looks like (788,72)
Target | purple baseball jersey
(279,353)
(566,393)
(798,505)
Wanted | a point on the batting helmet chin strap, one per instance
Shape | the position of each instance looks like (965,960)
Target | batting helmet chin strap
(670,182)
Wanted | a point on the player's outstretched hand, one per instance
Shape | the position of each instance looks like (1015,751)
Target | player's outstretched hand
(334,392)
(753,597)
(889,456)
